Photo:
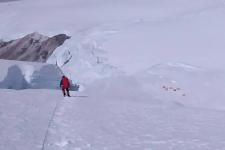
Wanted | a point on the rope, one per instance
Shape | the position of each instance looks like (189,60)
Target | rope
(49,124)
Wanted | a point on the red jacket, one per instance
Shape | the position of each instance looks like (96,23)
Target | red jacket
(65,83)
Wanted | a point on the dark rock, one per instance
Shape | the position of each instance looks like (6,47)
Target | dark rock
(4,1)
(33,47)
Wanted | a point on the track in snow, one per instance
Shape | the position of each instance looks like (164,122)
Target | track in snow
(114,124)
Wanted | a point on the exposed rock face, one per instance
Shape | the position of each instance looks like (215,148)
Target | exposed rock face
(4,1)
(33,47)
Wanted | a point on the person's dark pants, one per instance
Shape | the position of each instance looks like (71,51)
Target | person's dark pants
(66,92)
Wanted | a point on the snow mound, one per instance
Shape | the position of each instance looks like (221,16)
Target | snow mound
(83,58)
(14,79)
(20,75)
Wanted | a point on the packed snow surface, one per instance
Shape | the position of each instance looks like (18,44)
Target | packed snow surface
(24,118)
(121,121)
(105,119)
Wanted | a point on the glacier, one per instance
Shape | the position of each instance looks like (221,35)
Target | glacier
(152,76)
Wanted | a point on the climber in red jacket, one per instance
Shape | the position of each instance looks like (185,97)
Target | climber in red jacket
(65,85)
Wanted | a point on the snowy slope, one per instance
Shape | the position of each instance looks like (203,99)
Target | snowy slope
(24,118)
(123,117)
(149,32)
(185,84)
(120,117)
(152,69)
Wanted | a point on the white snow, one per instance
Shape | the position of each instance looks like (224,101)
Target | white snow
(185,84)
(148,32)
(131,119)
(24,118)
(152,71)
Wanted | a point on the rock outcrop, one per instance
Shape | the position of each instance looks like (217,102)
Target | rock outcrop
(6,1)
(33,47)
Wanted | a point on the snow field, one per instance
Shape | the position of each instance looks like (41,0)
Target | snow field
(120,52)
(24,117)
(108,120)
